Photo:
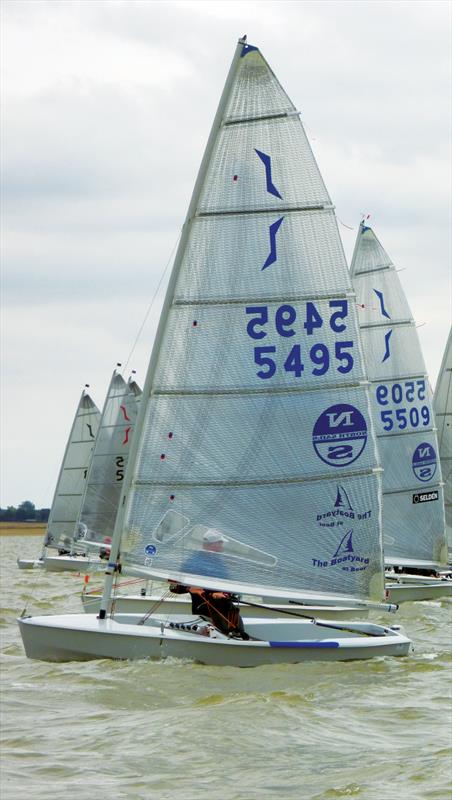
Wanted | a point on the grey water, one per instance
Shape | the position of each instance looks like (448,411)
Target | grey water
(375,730)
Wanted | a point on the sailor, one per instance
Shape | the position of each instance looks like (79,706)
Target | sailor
(215,607)
(209,559)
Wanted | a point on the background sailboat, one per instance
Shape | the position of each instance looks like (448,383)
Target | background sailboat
(442,403)
(108,464)
(255,409)
(69,489)
(413,511)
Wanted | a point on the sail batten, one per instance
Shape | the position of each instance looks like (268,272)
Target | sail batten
(277,210)
(256,482)
(253,391)
(371,271)
(269,299)
(392,324)
(245,120)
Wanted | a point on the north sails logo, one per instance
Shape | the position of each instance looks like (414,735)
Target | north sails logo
(342,510)
(339,435)
(344,557)
(424,462)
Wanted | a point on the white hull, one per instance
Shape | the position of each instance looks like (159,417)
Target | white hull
(30,563)
(137,604)
(63,564)
(404,591)
(81,637)
(74,564)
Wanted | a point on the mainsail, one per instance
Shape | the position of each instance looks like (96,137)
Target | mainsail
(442,403)
(413,514)
(255,414)
(72,478)
(109,460)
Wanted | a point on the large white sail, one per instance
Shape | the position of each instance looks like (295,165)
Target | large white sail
(442,403)
(255,437)
(413,514)
(72,477)
(109,461)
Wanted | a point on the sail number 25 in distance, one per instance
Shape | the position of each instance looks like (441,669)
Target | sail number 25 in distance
(285,324)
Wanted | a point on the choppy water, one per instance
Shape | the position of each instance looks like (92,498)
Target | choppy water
(377,730)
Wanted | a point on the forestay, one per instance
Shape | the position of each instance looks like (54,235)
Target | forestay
(256,460)
(442,403)
(72,477)
(109,461)
(413,514)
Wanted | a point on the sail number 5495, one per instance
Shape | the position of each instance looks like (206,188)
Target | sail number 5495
(317,357)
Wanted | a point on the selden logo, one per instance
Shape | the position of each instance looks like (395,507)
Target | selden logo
(341,511)
(340,435)
(424,462)
(344,557)
(425,497)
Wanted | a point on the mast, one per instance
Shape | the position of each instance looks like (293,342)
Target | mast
(147,388)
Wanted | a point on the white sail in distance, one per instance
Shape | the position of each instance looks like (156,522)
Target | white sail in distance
(109,461)
(442,403)
(255,461)
(413,512)
(71,482)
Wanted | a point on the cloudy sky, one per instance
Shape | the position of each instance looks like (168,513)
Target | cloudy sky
(106,110)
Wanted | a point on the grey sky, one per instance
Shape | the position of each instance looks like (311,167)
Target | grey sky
(106,110)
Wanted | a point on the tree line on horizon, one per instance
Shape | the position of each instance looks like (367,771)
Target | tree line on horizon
(25,512)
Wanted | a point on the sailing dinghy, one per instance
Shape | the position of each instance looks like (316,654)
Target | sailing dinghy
(413,510)
(254,428)
(106,472)
(68,492)
(442,403)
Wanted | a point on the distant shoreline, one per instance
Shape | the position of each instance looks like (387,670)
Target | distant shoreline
(22,528)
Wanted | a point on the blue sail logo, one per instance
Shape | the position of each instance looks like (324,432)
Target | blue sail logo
(344,557)
(345,545)
(342,500)
(424,462)
(339,435)
(341,511)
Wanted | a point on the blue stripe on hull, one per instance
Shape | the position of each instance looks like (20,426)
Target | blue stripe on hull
(304,644)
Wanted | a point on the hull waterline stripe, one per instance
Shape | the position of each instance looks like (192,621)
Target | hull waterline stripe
(304,644)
